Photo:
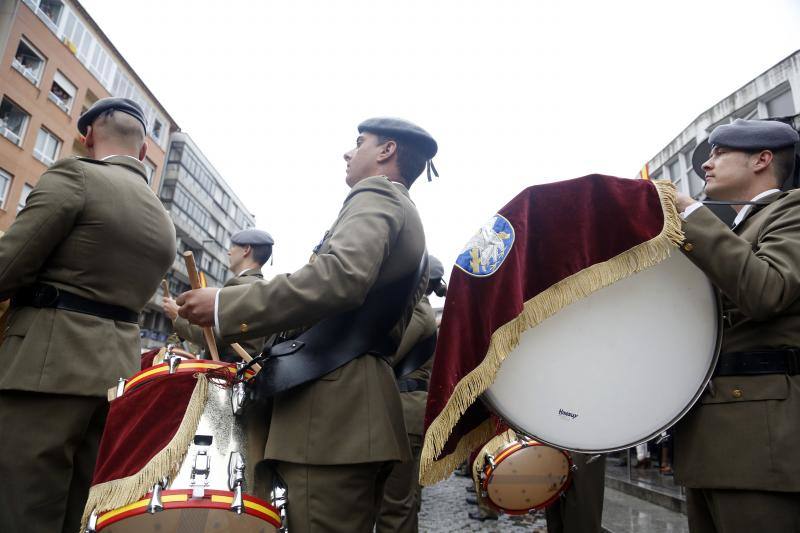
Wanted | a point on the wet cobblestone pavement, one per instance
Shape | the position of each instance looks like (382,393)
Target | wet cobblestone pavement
(444,509)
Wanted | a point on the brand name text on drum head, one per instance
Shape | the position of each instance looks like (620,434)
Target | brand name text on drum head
(567,413)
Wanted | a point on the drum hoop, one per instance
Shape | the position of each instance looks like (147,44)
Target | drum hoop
(675,419)
(181,499)
(510,449)
(187,366)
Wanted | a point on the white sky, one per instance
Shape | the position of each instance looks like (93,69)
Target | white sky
(516,92)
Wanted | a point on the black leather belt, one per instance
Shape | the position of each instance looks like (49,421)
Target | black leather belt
(784,361)
(412,385)
(41,295)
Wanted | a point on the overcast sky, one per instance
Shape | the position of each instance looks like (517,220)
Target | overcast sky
(515,92)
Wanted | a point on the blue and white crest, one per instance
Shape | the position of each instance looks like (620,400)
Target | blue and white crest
(487,249)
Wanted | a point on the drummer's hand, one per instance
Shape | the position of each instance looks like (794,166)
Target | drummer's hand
(682,201)
(197,306)
(170,308)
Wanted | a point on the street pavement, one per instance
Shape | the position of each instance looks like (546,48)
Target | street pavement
(444,509)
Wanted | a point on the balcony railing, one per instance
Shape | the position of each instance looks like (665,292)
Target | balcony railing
(10,135)
(64,106)
(31,75)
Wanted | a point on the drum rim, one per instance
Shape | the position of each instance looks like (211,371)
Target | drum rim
(139,507)
(504,453)
(703,384)
(190,365)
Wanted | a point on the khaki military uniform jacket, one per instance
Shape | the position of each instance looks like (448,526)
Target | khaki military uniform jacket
(352,415)
(194,333)
(422,326)
(745,430)
(96,229)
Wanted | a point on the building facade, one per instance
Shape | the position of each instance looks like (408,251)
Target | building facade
(206,212)
(55,62)
(773,94)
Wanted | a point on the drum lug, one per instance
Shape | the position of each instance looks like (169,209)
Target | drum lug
(173,361)
(238,398)
(489,460)
(156,504)
(661,438)
(237,505)
(573,468)
(91,524)
(235,470)
(121,386)
(200,471)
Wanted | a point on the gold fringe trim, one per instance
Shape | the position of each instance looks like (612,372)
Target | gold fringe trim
(166,463)
(536,310)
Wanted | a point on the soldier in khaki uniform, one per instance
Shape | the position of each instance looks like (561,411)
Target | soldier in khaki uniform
(413,364)
(79,263)
(736,450)
(334,439)
(250,250)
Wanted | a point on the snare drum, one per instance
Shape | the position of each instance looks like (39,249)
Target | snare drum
(616,368)
(210,491)
(522,475)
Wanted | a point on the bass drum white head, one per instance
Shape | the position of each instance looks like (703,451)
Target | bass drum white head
(617,367)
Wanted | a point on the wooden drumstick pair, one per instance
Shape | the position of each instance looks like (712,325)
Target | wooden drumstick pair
(208,333)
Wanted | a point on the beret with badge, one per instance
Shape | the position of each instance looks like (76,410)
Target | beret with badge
(404,131)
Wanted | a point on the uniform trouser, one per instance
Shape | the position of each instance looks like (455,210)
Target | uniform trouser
(580,509)
(333,498)
(740,511)
(402,494)
(48,449)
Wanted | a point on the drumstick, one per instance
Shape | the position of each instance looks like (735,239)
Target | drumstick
(165,288)
(244,355)
(194,279)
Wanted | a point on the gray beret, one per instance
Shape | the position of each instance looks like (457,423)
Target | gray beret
(435,268)
(104,104)
(252,237)
(403,130)
(748,135)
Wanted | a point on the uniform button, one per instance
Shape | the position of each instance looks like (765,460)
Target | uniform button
(737,393)
(243,327)
(688,247)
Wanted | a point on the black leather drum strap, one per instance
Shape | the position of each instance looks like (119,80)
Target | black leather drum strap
(337,340)
(417,357)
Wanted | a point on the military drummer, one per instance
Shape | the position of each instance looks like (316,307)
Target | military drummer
(736,450)
(80,261)
(249,251)
(335,439)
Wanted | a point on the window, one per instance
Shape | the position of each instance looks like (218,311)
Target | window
(5,184)
(49,11)
(157,130)
(23,196)
(150,169)
(28,62)
(47,147)
(62,92)
(781,106)
(676,173)
(696,183)
(13,121)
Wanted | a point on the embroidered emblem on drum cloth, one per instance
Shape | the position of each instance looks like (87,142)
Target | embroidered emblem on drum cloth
(488,248)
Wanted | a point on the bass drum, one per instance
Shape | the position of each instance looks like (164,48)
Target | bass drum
(616,368)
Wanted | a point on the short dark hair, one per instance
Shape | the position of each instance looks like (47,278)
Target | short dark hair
(410,160)
(783,161)
(261,253)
